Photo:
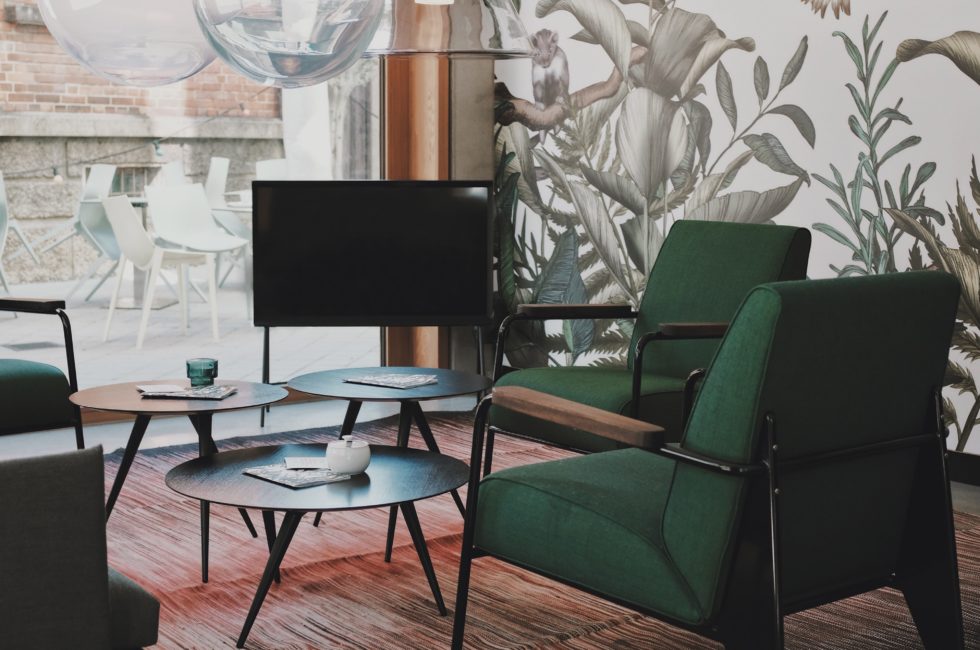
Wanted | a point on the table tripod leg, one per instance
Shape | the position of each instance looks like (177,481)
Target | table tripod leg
(353,408)
(269,519)
(404,428)
(415,528)
(202,423)
(205,538)
(135,437)
(289,523)
(430,441)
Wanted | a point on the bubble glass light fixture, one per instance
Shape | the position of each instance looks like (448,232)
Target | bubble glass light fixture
(132,42)
(290,43)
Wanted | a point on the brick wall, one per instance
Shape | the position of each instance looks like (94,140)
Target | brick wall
(36,75)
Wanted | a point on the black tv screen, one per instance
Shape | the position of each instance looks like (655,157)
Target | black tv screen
(371,253)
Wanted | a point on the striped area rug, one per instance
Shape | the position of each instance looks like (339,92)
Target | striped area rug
(337,591)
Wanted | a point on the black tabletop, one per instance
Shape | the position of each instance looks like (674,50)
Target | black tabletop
(395,475)
(126,399)
(330,383)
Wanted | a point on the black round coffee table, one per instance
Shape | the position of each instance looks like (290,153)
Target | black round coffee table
(396,477)
(449,383)
(125,398)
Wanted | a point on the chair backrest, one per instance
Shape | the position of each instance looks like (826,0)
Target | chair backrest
(99,183)
(838,364)
(217,180)
(272,170)
(133,239)
(55,591)
(702,273)
(181,213)
(172,173)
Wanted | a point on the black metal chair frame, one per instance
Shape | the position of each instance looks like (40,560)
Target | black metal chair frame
(751,616)
(54,308)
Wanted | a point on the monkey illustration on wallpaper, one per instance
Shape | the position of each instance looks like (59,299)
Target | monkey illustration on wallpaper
(549,70)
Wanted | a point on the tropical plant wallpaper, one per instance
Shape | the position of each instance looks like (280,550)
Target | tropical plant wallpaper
(859,119)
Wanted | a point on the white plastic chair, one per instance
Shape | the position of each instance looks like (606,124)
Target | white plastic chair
(139,250)
(89,222)
(7,224)
(182,215)
(214,187)
(172,173)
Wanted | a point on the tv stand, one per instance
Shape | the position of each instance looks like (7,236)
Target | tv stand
(266,366)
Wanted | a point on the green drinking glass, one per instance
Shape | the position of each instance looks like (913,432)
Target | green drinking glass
(202,372)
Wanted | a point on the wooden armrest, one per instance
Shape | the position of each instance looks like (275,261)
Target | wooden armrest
(693,330)
(613,426)
(31,305)
(559,312)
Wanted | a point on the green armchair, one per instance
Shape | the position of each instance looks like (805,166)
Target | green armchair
(34,396)
(701,275)
(812,469)
(57,589)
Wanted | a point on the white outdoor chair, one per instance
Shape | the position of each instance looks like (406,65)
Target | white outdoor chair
(172,173)
(89,222)
(182,216)
(7,224)
(139,250)
(214,187)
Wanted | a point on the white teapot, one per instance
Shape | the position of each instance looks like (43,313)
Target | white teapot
(348,456)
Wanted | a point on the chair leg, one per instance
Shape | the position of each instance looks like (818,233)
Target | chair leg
(182,296)
(151,286)
(105,276)
(927,573)
(89,273)
(247,260)
(213,295)
(123,262)
(3,281)
(26,244)
(488,457)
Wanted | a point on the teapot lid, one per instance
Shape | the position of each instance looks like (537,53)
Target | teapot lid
(347,441)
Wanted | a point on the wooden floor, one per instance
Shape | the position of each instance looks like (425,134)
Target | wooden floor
(239,351)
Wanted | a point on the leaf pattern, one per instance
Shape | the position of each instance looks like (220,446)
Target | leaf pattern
(748,206)
(962,48)
(770,151)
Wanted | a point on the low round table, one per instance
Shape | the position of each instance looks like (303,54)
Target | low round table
(396,477)
(449,383)
(125,398)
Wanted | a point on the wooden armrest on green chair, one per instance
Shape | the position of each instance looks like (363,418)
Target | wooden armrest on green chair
(31,305)
(671,332)
(554,312)
(693,330)
(613,426)
(568,312)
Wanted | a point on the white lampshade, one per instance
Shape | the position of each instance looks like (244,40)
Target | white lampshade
(473,28)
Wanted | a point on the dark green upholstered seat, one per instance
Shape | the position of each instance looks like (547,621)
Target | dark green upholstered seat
(844,375)
(701,274)
(57,590)
(33,396)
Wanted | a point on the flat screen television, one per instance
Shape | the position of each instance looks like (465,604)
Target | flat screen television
(371,253)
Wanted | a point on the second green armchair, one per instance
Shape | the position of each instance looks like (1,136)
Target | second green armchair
(702,273)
